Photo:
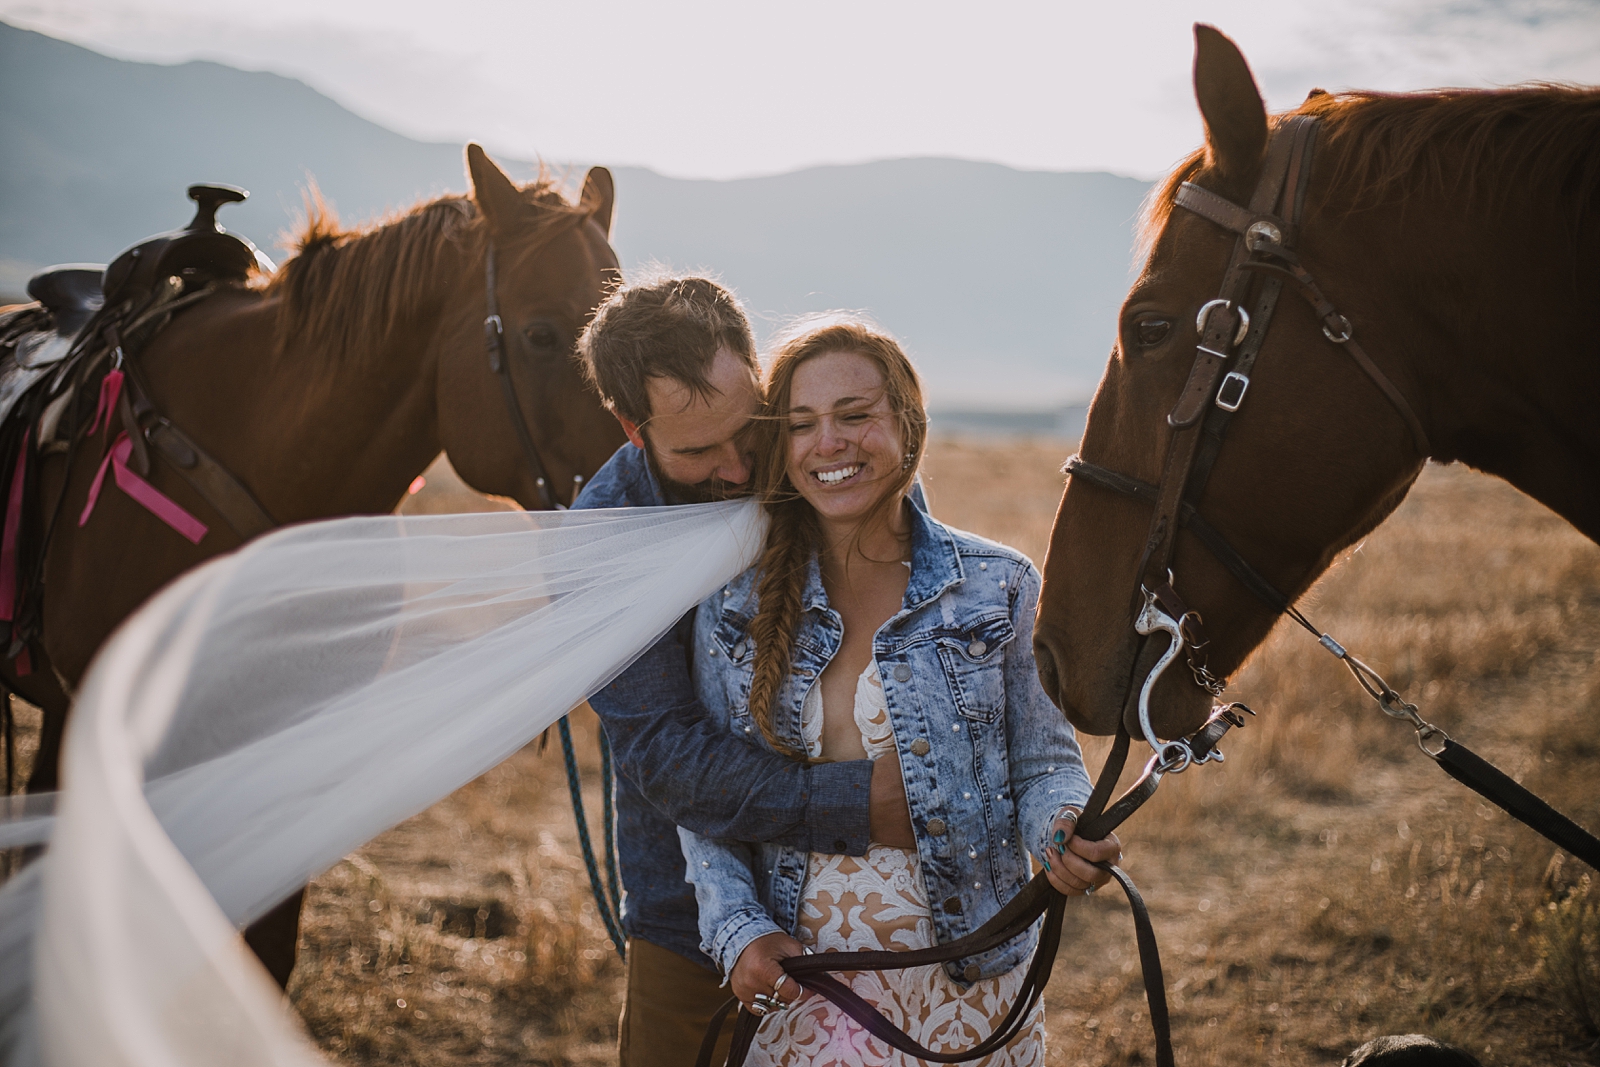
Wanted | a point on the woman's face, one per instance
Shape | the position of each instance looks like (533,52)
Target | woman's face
(844,444)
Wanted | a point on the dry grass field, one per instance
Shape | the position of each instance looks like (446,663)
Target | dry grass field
(1326,885)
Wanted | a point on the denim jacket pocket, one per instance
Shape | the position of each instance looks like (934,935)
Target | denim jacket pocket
(974,664)
(731,641)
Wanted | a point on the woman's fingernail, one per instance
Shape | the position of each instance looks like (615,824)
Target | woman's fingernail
(1061,837)
(1046,864)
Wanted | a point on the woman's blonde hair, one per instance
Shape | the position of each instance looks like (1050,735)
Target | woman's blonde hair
(794,534)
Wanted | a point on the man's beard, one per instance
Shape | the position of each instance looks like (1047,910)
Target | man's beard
(709,491)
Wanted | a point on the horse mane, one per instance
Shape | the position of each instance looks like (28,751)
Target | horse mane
(348,289)
(1539,141)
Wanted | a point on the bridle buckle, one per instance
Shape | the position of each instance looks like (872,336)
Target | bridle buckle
(1205,314)
(1230,394)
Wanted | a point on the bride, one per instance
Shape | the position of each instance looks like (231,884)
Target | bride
(869,629)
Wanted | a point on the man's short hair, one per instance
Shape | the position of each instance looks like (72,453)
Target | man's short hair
(670,328)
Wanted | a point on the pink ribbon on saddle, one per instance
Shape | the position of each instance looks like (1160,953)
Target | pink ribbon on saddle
(154,500)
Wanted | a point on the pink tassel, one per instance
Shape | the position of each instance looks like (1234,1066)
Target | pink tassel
(110,390)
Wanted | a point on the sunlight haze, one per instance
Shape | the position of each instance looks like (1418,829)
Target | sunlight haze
(724,89)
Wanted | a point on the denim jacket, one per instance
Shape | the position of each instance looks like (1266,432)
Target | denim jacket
(988,761)
(676,764)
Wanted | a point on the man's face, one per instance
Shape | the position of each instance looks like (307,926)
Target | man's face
(699,447)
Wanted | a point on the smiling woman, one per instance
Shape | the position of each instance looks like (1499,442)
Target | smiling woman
(881,633)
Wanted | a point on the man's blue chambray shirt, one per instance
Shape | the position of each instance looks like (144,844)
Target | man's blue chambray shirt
(678,767)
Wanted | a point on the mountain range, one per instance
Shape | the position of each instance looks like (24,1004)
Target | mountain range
(1004,284)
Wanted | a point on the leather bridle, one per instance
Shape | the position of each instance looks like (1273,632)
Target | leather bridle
(1232,329)
(494,336)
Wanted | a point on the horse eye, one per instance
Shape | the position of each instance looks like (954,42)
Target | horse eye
(543,336)
(1151,332)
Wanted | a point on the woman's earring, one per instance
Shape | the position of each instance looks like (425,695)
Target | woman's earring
(906,461)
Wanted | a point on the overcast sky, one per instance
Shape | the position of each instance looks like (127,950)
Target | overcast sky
(728,89)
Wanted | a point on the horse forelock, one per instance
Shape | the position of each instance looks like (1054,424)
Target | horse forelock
(346,290)
(1538,142)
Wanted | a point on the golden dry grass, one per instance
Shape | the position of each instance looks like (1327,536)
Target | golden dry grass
(1325,885)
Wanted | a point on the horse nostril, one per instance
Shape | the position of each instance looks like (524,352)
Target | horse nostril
(1045,663)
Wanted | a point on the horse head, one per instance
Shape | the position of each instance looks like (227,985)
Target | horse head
(552,264)
(1312,460)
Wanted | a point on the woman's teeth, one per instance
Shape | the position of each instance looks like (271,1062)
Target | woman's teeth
(835,477)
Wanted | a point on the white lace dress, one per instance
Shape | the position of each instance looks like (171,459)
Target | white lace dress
(878,902)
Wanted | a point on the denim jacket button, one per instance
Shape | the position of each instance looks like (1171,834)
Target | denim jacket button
(972,973)
(976,649)
(936,827)
(919,747)
(902,673)
(952,905)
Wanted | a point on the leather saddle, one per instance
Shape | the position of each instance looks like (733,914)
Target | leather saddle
(78,298)
(200,254)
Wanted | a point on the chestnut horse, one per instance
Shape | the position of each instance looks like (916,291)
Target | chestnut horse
(1456,232)
(330,387)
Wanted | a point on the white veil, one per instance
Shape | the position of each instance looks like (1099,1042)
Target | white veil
(278,707)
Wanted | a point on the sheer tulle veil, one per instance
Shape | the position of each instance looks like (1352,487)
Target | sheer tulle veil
(281,705)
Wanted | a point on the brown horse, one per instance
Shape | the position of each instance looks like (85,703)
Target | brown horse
(327,388)
(1457,233)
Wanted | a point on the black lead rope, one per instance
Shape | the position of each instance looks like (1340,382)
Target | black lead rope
(1487,780)
(1456,759)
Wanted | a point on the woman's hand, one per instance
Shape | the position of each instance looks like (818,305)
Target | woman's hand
(757,971)
(1070,860)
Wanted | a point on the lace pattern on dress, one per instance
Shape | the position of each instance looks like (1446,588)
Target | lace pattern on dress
(878,902)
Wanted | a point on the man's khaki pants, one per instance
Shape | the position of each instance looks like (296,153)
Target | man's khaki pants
(670,1001)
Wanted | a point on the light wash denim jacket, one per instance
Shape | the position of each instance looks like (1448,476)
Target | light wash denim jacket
(988,761)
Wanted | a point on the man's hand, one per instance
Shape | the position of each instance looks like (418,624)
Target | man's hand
(1070,860)
(890,820)
(758,971)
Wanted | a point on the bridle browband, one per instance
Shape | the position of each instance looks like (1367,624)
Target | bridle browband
(494,337)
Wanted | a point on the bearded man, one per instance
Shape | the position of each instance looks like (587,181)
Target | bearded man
(675,361)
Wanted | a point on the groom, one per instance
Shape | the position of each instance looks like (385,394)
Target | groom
(675,361)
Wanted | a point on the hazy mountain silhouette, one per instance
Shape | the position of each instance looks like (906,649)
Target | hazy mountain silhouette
(1003,283)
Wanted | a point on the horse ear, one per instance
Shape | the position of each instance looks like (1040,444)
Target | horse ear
(599,194)
(496,194)
(1235,117)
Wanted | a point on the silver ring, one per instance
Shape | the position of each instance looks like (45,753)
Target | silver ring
(1090,890)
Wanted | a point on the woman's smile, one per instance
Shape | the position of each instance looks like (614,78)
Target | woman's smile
(832,476)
